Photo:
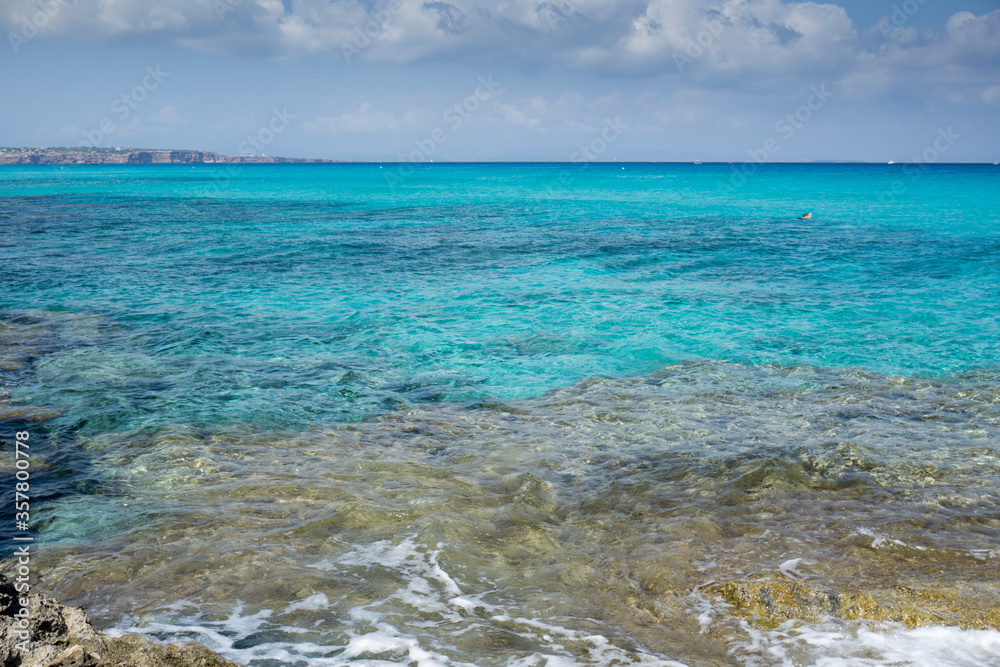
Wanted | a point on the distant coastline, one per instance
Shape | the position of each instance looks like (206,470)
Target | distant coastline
(139,156)
(118,155)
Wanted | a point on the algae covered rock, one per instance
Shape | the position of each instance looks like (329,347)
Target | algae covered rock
(771,603)
(135,651)
(779,601)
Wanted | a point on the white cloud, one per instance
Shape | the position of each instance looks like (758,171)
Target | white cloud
(366,120)
(753,45)
(168,115)
(991,95)
(233,126)
(513,115)
(963,57)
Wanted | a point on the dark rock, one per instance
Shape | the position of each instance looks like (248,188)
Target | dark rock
(8,597)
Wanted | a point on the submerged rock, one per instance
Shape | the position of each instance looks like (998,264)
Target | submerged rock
(25,413)
(61,636)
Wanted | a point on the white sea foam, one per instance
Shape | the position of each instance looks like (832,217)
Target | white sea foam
(836,643)
(420,622)
(374,642)
(879,540)
(706,608)
(790,568)
(311,603)
(428,598)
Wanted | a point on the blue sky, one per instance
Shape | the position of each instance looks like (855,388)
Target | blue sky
(508,79)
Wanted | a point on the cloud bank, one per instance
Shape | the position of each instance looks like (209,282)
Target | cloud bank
(751,42)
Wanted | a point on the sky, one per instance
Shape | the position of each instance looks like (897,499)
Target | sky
(559,80)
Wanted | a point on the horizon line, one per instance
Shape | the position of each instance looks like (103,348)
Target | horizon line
(318,161)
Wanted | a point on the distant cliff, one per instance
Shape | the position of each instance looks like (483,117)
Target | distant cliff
(137,156)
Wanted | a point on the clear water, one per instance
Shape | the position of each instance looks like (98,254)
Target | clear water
(507,414)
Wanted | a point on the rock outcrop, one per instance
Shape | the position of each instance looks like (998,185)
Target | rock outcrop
(61,636)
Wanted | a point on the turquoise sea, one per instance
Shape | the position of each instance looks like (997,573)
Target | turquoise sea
(512,414)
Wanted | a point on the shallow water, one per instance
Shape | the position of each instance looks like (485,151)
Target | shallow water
(492,419)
